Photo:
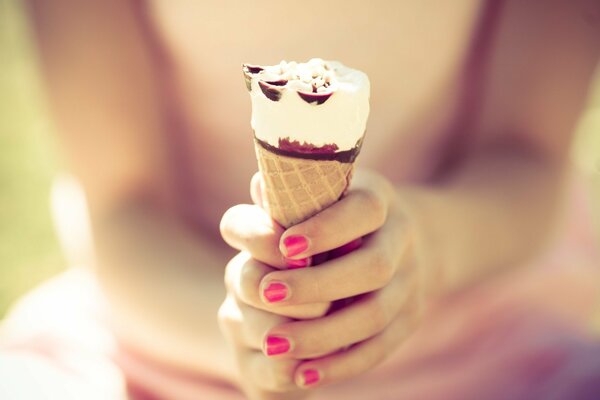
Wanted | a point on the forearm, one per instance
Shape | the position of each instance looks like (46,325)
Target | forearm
(494,212)
(165,285)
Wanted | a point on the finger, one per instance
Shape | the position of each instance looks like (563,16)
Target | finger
(256,189)
(369,268)
(255,393)
(249,228)
(364,318)
(243,276)
(356,360)
(362,211)
(246,326)
(267,374)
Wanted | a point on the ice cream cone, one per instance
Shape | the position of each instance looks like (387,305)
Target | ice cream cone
(295,189)
(308,120)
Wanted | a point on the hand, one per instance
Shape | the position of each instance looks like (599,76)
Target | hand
(379,279)
(245,321)
(244,316)
(250,229)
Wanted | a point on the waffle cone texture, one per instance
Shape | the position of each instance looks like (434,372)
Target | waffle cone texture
(295,189)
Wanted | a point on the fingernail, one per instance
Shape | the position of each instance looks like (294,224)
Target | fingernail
(301,263)
(310,377)
(295,245)
(277,345)
(275,292)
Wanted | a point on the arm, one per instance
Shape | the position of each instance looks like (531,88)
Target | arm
(496,208)
(164,281)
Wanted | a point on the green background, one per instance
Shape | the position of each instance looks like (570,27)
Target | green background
(29,250)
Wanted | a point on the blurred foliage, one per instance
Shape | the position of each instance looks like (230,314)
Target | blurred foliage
(29,251)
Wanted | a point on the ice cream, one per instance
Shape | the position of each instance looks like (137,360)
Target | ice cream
(309,121)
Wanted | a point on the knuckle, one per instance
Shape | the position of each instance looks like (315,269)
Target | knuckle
(247,274)
(375,204)
(225,224)
(226,317)
(379,350)
(281,374)
(242,277)
(248,286)
(231,273)
(381,266)
(222,317)
(267,320)
(235,267)
(243,225)
(379,315)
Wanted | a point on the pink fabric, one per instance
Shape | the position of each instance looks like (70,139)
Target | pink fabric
(521,336)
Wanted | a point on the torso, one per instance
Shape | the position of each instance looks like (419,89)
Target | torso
(413,51)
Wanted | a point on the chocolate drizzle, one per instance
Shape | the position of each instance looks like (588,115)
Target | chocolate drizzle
(253,69)
(273,89)
(315,98)
(249,70)
(281,82)
(295,146)
(346,156)
(272,92)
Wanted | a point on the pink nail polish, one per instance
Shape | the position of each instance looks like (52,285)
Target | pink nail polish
(275,292)
(295,245)
(294,264)
(276,345)
(310,377)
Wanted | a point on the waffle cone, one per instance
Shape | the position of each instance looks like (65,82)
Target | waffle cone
(295,189)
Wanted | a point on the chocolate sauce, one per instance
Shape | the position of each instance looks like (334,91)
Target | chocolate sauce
(346,156)
(312,98)
(253,69)
(281,82)
(269,88)
(270,91)
(249,70)
(295,146)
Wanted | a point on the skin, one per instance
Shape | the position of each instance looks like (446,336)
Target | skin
(417,232)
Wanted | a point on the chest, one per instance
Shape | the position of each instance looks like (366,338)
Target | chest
(412,51)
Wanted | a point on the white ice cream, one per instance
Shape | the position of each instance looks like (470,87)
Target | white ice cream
(341,119)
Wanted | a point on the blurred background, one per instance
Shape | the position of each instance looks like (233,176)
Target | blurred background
(29,160)
(29,250)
